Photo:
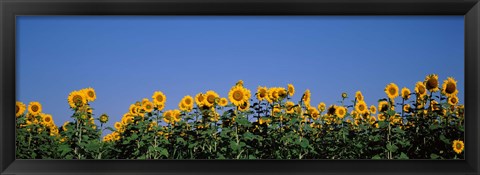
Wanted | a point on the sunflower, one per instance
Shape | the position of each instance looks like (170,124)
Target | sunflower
(261,93)
(291,90)
(168,117)
(306,97)
(331,110)
(272,94)
(282,92)
(176,115)
(159,99)
(406,108)
(19,109)
(420,89)
(76,99)
(321,106)
(382,106)
(361,107)
(289,106)
(449,87)
(223,102)
(458,146)
(266,121)
(200,99)
(239,83)
(34,108)
(47,120)
(103,118)
(89,94)
(453,100)
(276,109)
(381,117)
(244,107)
(431,82)
(210,97)
(359,96)
(373,109)
(405,93)
(133,109)
(391,90)
(147,106)
(340,112)
(118,126)
(238,95)
(372,120)
(186,104)
(344,95)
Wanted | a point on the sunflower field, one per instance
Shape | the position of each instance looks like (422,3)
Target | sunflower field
(426,123)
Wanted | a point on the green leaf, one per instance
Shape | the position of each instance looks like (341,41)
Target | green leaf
(376,157)
(444,139)
(392,147)
(403,156)
(251,157)
(434,156)
(391,112)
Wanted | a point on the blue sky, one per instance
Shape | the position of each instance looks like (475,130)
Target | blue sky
(127,58)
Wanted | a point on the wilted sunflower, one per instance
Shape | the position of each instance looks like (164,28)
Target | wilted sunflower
(210,97)
(431,82)
(306,97)
(331,110)
(223,102)
(289,106)
(321,106)
(291,90)
(159,99)
(458,146)
(361,107)
(391,90)
(453,100)
(89,94)
(359,96)
(261,93)
(373,109)
(238,95)
(103,118)
(449,87)
(77,99)
(34,108)
(19,109)
(340,112)
(405,93)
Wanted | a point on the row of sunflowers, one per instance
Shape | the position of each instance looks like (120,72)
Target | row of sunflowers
(427,123)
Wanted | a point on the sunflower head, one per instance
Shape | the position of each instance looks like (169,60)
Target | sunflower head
(186,104)
(133,109)
(373,109)
(118,126)
(321,106)
(239,83)
(406,108)
(244,107)
(291,90)
(381,117)
(453,100)
(431,82)
(449,87)
(200,99)
(223,102)
(331,110)
(391,90)
(458,146)
(147,106)
(261,93)
(77,99)
(344,95)
(405,93)
(340,112)
(19,109)
(210,98)
(361,107)
(359,96)
(306,97)
(383,106)
(34,108)
(420,89)
(238,95)
(289,106)
(89,94)
(282,93)
(103,118)
(159,99)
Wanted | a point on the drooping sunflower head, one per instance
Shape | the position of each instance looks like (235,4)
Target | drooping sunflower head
(261,93)
(359,96)
(361,107)
(453,100)
(289,106)
(210,98)
(458,146)
(373,109)
(159,98)
(314,113)
(306,97)
(420,89)
(383,106)
(449,87)
(331,110)
(340,112)
(133,109)
(282,93)
(272,94)
(223,102)
(238,96)
(147,106)
(381,117)
(391,90)
(245,106)
(405,93)
(19,109)
(406,108)
(291,90)
(76,99)
(89,94)
(34,108)
(321,106)
(103,118)
(431,82)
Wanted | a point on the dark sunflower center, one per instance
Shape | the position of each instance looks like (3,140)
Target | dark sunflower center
(90,94)
(211,98)
(159,98)
(188,101)
(421,90)
(453,100)
(77,99)
(361,107)
(392,91)
(432,83)
(341,112)
(458,146)
(17,108)
(238,95)
(450,88)
(331,110)
(34,108)
(47,119)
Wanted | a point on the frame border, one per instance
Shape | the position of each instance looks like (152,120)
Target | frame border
(9,9)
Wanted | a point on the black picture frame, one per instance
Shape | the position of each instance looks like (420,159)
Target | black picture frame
(9,9)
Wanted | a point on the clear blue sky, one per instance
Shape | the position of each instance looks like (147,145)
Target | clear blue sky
(126,59)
